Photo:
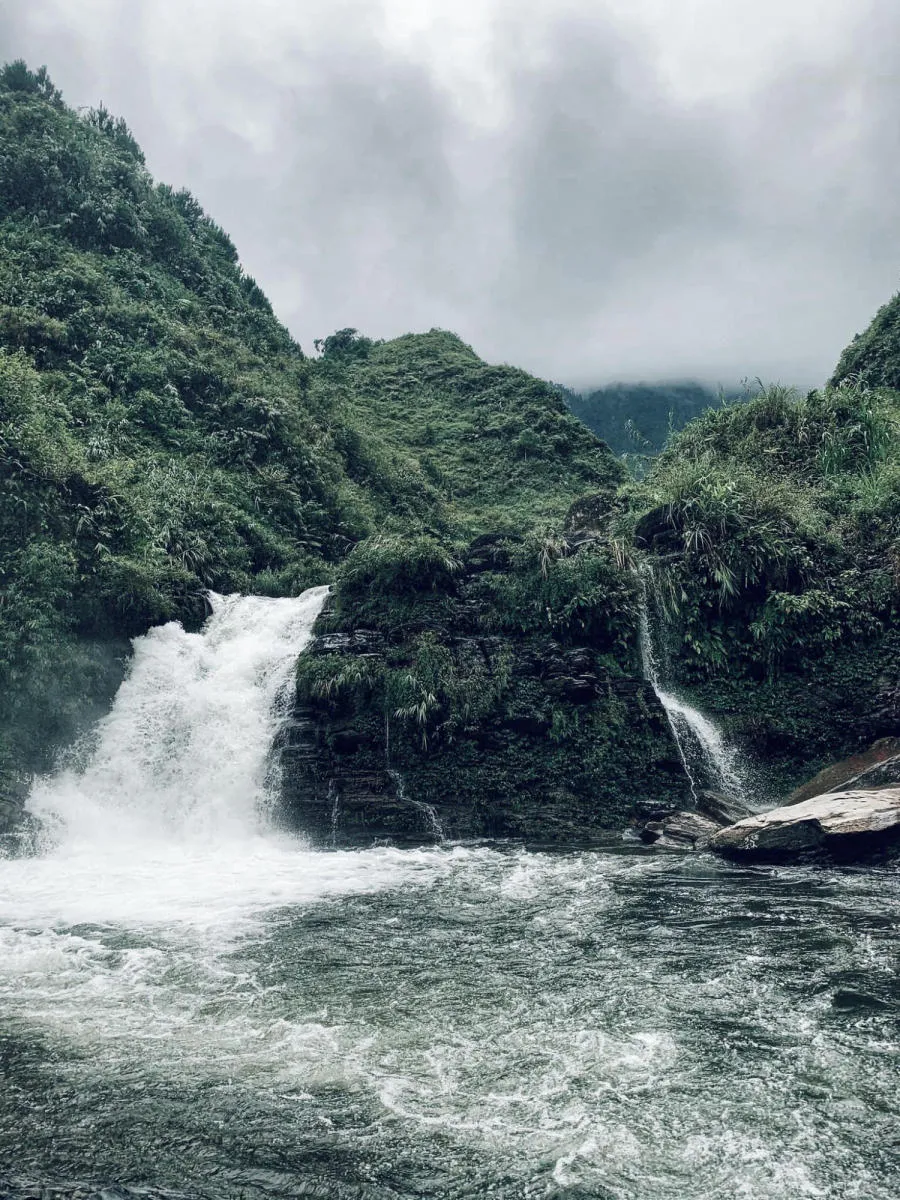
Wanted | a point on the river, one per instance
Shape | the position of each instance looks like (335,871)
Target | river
(193,1005)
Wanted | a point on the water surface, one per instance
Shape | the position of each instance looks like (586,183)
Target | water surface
(258,1019)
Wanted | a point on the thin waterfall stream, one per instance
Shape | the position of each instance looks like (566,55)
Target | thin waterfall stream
(705,755)
(427,811)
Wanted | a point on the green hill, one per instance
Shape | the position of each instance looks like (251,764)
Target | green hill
(162,434)
(873,357)
(638,418)
(775,526)
(480,448)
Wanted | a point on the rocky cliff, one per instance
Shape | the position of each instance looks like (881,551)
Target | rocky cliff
(508,698)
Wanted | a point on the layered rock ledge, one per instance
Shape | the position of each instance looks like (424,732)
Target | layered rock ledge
(845,825)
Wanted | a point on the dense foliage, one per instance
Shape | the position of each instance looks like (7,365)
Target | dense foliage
(873,357)
(775,526)
(161,434)
(784,513)
(504,682)
(637,419)
(478,448)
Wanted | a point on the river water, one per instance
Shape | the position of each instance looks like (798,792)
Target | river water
(193,1005)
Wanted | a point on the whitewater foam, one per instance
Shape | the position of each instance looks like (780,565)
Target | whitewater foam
(184,753)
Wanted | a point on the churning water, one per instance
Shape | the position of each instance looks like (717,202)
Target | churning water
(192,1005)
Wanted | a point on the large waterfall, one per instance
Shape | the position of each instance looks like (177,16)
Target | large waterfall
(183,754)
(705,755)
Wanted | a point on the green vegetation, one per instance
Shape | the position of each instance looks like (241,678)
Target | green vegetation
(156,437)
(873,357)
(776,526)
(478,448)
(505,685)
(637,419)
(161,434)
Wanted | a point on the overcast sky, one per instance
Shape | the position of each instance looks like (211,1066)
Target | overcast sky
(592,189)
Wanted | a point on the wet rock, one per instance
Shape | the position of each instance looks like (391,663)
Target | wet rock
(490,552)
(722,809)
(650,810)
(875,767)
(681,830)
(846,825)
(357,641)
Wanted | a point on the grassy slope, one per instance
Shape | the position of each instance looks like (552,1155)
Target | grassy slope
(161,433)
(777,529)
(873,357)
(481,448)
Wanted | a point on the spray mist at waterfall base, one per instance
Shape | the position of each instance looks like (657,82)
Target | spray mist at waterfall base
(193,1005)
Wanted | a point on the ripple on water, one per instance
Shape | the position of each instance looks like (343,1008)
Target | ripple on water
(263,1020)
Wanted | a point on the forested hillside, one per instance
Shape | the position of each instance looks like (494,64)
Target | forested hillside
(161,433)
(638,418)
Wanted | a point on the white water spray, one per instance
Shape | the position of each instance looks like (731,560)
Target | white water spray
(700,743)
(183,754)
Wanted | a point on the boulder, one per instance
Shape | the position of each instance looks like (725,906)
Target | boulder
(722,809)
(852,773)
(681,830)
(845,825)
(881,775)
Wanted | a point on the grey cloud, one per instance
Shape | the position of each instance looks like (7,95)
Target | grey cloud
(605,171)
(606,230)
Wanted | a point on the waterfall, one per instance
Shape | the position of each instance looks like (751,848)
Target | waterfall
(704,753)
(435,828)
(184,753)
(335,797)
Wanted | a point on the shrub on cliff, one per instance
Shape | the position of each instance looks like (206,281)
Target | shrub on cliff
(776,523)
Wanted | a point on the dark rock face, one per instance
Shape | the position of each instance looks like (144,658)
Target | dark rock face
(504,777)
(875,767)
(841,703)
(721,809)
(655,532)
(536,733)
(845,825)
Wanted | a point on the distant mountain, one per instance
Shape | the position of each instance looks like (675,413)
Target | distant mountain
(634,418)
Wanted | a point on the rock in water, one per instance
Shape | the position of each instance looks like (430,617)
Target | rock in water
(721,809)
(846,825)
(681,830)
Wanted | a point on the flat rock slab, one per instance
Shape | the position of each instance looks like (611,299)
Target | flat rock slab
(845,825)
